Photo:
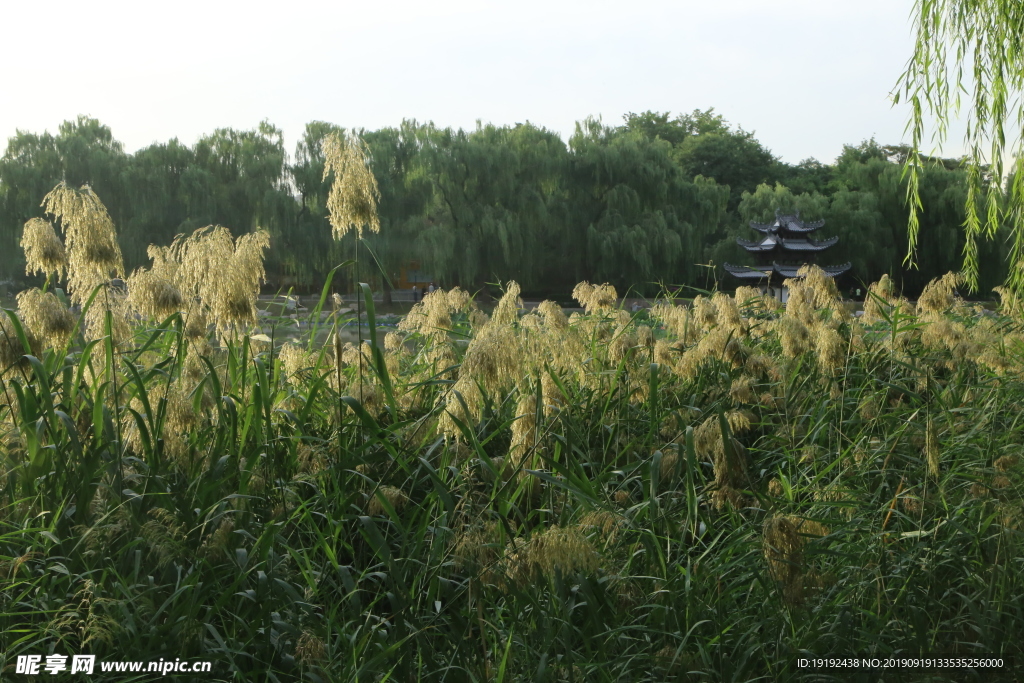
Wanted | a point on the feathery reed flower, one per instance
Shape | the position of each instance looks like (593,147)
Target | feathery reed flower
(557,548)
(669,462)
(154,292)
(705,313)
(222,273)
(11,349)
(44,252)
(506,311)
(310,649)
(395,497)
(823,288)
(554,317)
(46,316)
(794,335)
(595,298)
(352,200)
(677,320)
(830,347)
(524,430)
(783,549)
(114,302)
(605,523)
(727,314)
(478,548)
(1006,463)
(164,535)
(931,449)
(294,360)
(784,538)
(752,300)
(881,297)
(741,390)
(93,255)
(938,295)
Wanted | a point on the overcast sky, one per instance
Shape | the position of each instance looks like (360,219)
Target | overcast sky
(806,75)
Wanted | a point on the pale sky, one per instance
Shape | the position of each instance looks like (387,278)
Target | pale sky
(806,75)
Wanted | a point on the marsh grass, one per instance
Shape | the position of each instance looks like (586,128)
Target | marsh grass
(699,494)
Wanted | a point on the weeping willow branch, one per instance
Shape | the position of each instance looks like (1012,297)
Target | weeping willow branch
(972,48)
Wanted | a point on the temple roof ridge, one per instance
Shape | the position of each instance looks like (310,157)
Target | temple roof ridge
(789,222)
(772,241)
(784,271)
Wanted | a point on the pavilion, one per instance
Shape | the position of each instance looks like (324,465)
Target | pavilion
(785,246)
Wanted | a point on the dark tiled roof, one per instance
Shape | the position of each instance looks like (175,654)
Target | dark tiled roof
(747,273)
(771,242)
(764,272)
(808,244)
(788,223)
(790,271)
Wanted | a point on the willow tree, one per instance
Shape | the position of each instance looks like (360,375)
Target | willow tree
(634,215)
(972,49)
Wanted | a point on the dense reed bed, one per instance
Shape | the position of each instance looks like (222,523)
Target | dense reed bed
(684,493)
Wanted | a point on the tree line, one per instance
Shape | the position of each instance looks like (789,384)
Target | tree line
(657,200)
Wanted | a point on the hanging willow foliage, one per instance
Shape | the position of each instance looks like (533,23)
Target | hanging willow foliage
(93,255)
(352,201)
(974,47)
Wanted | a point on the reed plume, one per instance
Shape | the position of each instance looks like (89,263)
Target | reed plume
(154,292)
(939,295)
(47,317)
(93,255)
(524,431)
(595,298)
(881,297)
(11,349)
(506,311)
(557,548)
(223,274)
(352,200)
(44,252)
(784,539)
